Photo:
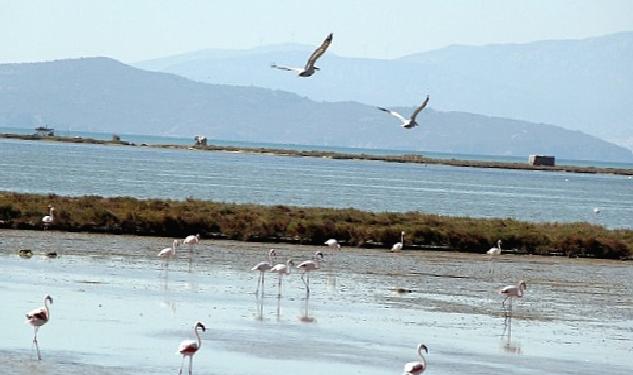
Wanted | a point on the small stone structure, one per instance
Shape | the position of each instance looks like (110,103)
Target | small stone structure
(201,140)
(116,138)
(44,131)
(542,160)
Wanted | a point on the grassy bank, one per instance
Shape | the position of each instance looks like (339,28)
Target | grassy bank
(309,225)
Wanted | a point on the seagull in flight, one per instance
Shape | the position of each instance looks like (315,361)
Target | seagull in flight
(309,69)
(408,123)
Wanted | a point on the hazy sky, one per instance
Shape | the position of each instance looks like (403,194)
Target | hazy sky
(132,30)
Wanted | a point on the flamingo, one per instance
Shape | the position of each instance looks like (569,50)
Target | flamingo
(281,270)
(495,250)
(48,220)
(189,347)
(398,245)
(169,252)
(416,368)
(263,267)
(309,69)
(310,265)
(37,318)
(512,291)
(333,244)
(410,122)
(191,241)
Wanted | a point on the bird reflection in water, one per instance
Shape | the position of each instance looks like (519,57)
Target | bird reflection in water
(506,339)
(305,317)
(259,314)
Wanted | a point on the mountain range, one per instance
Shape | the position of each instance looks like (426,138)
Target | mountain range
(101,94)
(577,84)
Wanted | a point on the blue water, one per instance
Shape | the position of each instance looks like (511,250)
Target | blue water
(73,169)
(153,139)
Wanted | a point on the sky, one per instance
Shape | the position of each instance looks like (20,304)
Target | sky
(135,30)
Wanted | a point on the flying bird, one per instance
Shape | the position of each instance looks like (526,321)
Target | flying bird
(410,122)
(189,347)
(416,368)
(38,318)
(309,69)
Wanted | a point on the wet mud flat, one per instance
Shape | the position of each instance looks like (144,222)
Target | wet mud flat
(119,309)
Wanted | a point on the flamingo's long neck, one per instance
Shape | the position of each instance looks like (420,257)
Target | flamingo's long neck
(423,358)
(48,312)
(499,244)
(521,287)
(195,330)
(50,213)
(288,264)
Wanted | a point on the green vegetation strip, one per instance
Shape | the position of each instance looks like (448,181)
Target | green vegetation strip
(247,222)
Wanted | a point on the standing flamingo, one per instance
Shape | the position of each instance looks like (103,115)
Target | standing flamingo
(512,291)
(310,265)
(189,347)
(48,220)
(263,267)
(191,241)
(38,318)
(333,244)
(169,252)
(398,245)
(495,250)
(281,270)
(416,368)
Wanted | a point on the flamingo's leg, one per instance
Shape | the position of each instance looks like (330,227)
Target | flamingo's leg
(308,283)
(181,365)
(190,365)
(37,347)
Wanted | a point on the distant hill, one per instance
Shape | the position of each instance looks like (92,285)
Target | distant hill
(578,84)
(101,94)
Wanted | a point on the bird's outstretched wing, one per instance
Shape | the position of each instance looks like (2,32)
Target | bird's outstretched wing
(420,108)
(394,113)
(281,67)
(319,51)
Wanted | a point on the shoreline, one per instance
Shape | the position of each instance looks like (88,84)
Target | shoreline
(310,225)
(404,158)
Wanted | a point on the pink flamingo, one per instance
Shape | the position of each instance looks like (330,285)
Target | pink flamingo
(189,347)
(512,291)
(169,252)
(416,368)
(310,265)
(263,267)
(48,220)
(38,318)
(281,270)
(333,244)
(191,241)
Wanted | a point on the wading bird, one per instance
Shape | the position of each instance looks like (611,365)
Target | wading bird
(38,318)
(398,245)
(263,267)
(410,122)
(333,244)
(308,266)
(48,219)
(191,241)
(189,347)
(169,252)
(281,270)
(495,250)
(309,68)
(512,291)
(416,368)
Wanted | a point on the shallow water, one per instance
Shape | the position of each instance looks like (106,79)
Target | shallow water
(120,310)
